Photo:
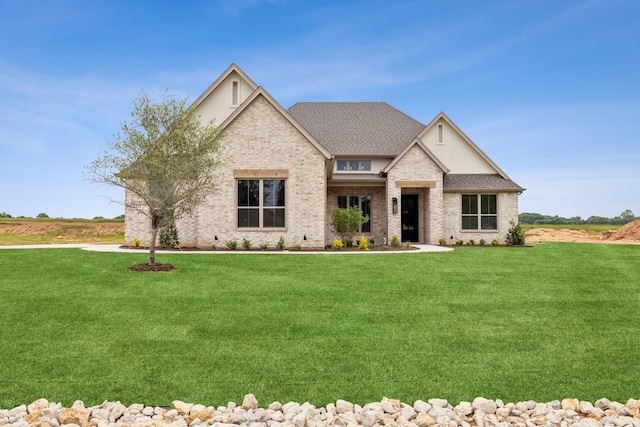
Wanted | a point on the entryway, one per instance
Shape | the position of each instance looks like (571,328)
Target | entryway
(409,217)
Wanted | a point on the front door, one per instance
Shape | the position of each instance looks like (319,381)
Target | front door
(409,218)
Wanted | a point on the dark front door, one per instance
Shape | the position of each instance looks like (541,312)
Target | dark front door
(409,218)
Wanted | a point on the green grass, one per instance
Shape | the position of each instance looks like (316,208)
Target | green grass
(542,323)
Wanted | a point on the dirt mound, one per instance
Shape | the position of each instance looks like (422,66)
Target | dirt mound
(630,231)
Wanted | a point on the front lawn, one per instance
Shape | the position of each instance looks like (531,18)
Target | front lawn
(542,323)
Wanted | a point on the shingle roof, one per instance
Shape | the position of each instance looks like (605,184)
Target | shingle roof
(357,128)
(478,182)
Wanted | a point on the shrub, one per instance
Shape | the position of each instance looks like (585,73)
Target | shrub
(494,242)
(280,244)
(471,242)
(349,243)
(232,244)
(373,243)
(4,215)
(515,235)
(459,242)
(363,245)
(482,242)
(43,215)
(136,242)
(442,241)
(347,222)
(408,245)
(246,243)
(168,235)
(263,246)
(337,245)
(394,240)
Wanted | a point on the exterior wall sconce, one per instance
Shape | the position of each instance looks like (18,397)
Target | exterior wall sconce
(394,205)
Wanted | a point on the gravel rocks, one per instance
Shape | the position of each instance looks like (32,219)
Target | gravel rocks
(386,413)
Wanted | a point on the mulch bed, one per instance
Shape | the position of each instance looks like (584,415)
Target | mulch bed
(149,267)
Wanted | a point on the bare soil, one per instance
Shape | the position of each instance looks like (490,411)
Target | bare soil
(29,231)
(629,234)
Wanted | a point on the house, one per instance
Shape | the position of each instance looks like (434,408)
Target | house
(283,171)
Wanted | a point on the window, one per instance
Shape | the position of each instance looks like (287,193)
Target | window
(354,165)
(440,134)
(261,203)
(235,93)
(479,211)
(361,202)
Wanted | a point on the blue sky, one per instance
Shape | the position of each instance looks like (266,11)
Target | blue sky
(550,90)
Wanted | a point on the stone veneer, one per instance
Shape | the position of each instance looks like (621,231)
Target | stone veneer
(259,139)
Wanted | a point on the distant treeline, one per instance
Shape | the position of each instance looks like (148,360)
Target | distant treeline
(536,218)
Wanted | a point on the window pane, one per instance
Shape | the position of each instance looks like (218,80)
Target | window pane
(469,222)
(489,222)
(273,218)
(273,192)
(353,165)
(342,165)
(354,201)
(365,165)
(489,204)
(248,218)
(469,204)
(248,192)
(342,202)
(365,206)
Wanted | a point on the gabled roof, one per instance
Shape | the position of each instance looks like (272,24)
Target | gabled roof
(219,80)
(415,142)
(357,128)
(261,92)
(479,183)
(464,136)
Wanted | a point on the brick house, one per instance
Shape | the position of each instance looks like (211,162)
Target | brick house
(283,171)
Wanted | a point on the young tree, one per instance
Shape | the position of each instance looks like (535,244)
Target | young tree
(347,222)
(165,157)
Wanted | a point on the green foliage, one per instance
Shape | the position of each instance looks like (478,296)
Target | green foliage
(5,215)
(471,242)
(347,222)
(136,242)
(165,157)
(232,244)
(168,234)
(395,241)
(459,242)
(482,242)
(280,244)
(535,218)
(494,242)
(246,243)
(515,235)
(363,244)
(442,241)
(337,245)
(477,328)
(408,245)
(42,215)
(372,242)
(263,246)
(349,243)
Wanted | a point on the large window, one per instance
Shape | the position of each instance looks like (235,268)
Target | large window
(361,202)
(479,212)
(261,203)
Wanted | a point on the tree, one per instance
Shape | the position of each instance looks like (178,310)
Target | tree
(165,157)
(347,222)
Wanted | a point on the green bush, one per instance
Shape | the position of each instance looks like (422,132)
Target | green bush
(168,235)
(232,244)
(494,242)
(246,243)
(43,215)
(337,245)
(372,242)
(471,242)
(442,241)
(459,242)
(347,222)
(395,241)
(136,242)
(280,244)
(515,235)
(482,242)
(264,246)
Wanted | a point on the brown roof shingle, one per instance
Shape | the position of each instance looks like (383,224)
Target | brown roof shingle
(478,182)
(357,128)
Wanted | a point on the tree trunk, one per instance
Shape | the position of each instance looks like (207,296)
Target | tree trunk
(152,245)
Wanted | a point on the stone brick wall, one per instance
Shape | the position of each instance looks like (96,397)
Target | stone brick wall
(416,165)
(507,212)
(260,139)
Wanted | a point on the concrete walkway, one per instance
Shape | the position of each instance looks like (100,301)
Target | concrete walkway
(117,248)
